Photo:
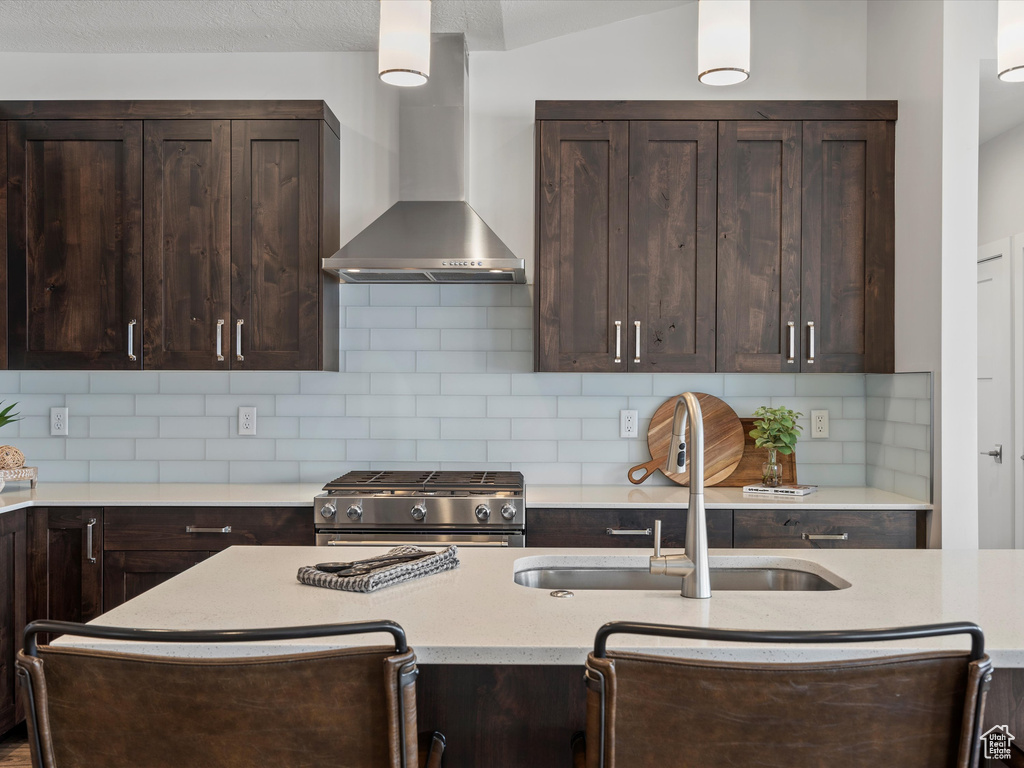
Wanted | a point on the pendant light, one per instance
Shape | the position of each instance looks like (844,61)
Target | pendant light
(723,41)
(1010,41)
(404,54)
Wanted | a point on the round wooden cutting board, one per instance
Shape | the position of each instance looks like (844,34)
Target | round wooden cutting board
(723,441)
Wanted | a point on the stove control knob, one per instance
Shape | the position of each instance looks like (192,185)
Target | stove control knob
(328,509)
(483,512)
(508,511)
(419,512)
(355,513)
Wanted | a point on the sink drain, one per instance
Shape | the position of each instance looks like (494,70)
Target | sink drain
(562,593)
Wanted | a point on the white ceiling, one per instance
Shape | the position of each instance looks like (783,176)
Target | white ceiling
(1002,104)
(189,26)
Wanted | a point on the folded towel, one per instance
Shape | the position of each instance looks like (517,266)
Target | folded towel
(386,575)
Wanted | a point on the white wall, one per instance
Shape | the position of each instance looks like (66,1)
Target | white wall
(367,109)
(1001,186)
(801,50)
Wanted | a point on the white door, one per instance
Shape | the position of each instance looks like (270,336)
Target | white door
(995,397)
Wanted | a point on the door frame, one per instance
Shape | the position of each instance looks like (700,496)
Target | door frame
(1017,336)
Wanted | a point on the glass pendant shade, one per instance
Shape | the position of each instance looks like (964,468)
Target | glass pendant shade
(1010,41)
(404,53)
(723,41)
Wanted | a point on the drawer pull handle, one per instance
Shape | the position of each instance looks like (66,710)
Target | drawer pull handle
(636,356)
(193,529)
(220,341)
(825,536)
(238,339)
(618,341)
(628,531)
(91,555)
(131,341)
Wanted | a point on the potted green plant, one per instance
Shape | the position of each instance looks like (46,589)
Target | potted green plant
(776,430)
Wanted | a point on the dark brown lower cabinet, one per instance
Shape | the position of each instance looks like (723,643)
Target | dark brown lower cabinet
(816,529)
(13,594)
(619,527)
(1005,706)
(65,563)
(502,715)
(129,574)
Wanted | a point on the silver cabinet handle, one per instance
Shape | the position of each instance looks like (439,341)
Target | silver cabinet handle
(194,529)
(238,339)
(131,341)
(88,539)
(220,341)
(791,357)
(628,531)
(997,454)
(618,341)
(636,356)
(810,341)
(825,536)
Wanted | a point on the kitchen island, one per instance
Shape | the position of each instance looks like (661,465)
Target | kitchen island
(501,663)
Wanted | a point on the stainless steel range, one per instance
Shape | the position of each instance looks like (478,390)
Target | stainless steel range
(373,508)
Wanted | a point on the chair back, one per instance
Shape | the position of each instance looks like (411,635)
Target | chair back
(353,706)
(914,710)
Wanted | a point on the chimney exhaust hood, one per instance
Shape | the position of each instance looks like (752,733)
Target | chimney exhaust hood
(431,235)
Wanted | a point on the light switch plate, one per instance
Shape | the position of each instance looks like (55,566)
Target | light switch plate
(819,424)
(247,419)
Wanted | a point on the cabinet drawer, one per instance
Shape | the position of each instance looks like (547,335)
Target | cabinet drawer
(590,527)
(816,529)
(214,528)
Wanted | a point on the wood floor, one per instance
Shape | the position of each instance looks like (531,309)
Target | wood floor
(14,749)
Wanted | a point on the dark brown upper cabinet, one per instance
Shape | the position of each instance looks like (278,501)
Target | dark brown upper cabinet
(671,277)
(848,246)
(170,235)
(582,222)
(758,236)
(75,243)
(758,246)
(187,244)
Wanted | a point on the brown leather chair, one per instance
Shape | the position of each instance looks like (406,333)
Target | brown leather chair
(918,710)
(353,707)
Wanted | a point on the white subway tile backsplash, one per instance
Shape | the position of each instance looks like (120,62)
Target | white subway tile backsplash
(476,339)
(854,408)
(761,385)
(451,362)
(509,317)
(264,382)
(55,382)
(591,407)
(598,473)
(405,384)
(446,405)
(477,295)
(10,381)
(64,471)
(197,426)
(194,471)
(406,339)
(819,452)
(100,449)
(586,451)
(911,485)
(238,449)
(668,384)
(451,450)
(194,382)
(897,433)
(475,429)
(327,383)
(381,450)
(831,474)
(475,384)
(120,472)
(184,449)
(353,339)
(913,436)
(600,429)
(42,448)
(509,362)
(227,405)
(546,384)
(546,429)
(549,474)
(404,295)
(380,362)
(829,385)
(101,405)
(451,317)
(923,411)
(405,429)
(334,427)
(255,472)
(166,405)
(298,405)
(321,471)
(604,384)
(124,382)
(380,317)
(351,295)
(271,426)
(522,450)
(381,405)
(310,450)
(121,426)
(535,407)
(522,340)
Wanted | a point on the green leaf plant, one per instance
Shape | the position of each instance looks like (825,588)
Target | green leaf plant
(6,417)
(776,429)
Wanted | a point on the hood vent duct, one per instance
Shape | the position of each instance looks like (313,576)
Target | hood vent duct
(432,235)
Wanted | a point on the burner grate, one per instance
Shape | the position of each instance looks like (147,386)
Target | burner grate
(426,480)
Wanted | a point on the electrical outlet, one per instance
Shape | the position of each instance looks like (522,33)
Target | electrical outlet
(819,424)
(59,421)
(247,419)
(628,423)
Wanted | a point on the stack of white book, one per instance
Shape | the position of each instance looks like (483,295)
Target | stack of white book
(782,490)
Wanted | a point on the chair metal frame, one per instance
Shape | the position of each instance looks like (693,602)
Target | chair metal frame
(407,673)
(802,636)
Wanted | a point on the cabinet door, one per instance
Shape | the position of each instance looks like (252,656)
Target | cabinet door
(848,246)
(187,244)
(129,574)
(275,259)
(66,564)
(672,192)
(619,527)
(75,244)
(583,212)
(758,246)
(13,594)
(205,528)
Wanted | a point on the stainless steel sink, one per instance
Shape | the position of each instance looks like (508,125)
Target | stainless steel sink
(739,573)
(722,579)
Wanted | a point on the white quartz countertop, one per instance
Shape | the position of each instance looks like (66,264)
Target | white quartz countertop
(17,496)
(477,614)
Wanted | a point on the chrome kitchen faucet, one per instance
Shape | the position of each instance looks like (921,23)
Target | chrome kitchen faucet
(693,564)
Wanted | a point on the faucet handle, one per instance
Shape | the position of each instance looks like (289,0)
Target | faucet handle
(657,538)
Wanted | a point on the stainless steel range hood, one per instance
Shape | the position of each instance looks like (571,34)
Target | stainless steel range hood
(432,235)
